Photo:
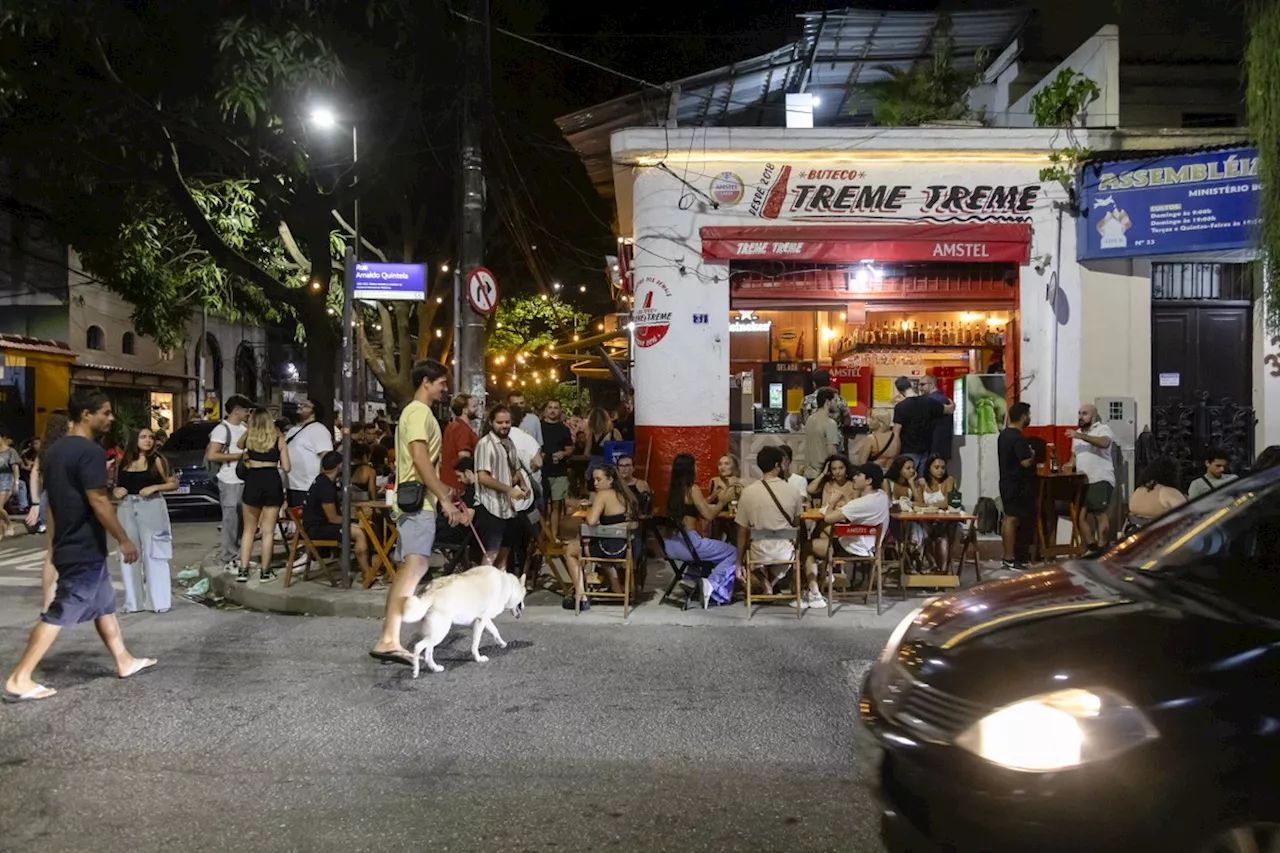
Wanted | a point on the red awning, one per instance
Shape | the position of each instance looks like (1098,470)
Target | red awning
(980,242)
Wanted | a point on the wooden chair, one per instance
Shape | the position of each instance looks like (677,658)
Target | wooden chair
(668,529)
(310,546)
(609,533)
(792,535)
(550,551)
(838,559)
(969,549)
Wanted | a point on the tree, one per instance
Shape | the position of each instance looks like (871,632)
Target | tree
(1262,67)
(521,334)
(168,141)
(928,90)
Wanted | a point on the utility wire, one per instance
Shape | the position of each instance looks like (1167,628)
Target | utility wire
(563,53)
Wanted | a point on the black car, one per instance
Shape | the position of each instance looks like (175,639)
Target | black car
(1128,703)
(197,492)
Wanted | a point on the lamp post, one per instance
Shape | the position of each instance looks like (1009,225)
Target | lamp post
(324,119)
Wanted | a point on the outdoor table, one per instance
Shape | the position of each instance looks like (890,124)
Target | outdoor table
(366,512)
(911,558)
(1051,488)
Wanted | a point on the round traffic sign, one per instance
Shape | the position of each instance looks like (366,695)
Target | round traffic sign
(482,290)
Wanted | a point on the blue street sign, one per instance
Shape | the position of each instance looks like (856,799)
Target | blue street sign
(1162,205)
(391,282)
(701,318)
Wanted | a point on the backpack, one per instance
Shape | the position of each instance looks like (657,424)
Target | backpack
(988,515)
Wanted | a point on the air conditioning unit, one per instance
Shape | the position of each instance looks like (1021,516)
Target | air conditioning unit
(1121,414)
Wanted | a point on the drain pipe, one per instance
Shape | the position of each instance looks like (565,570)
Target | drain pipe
(1053,305)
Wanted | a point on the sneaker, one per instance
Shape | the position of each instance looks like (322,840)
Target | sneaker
(266,575)
(242,574)
(1007,565)
(816,600)
(300,561)
(805,603)
(1021,567)
(232,565)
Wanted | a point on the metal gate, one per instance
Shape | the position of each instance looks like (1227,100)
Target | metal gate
(1186,431)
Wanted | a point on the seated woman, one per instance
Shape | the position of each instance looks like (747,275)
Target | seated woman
(933,490)
(627,474)
(725,489)
(364,479)
(1156,494)
(686,506)
(900,480)
(833,485)
(611,503)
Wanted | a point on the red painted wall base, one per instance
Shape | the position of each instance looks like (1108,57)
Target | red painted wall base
(706,443)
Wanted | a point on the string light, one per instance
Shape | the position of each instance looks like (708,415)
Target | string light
(439,300)
(499,324)
(582,288)
(439,333)
(444,268)
(600,327)
(544,297)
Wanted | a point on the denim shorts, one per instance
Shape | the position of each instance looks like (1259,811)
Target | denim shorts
(84,593)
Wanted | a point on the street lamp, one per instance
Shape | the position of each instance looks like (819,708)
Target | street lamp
(323,118)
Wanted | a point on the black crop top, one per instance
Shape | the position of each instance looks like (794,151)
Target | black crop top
(272,455)
(134,482)
(607,520)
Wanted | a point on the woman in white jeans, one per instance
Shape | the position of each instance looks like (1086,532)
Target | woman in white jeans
(142,479)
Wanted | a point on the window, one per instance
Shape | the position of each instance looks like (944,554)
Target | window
(94,338)
(1190,120)
(1226,543)
(1228,282)
(127,345)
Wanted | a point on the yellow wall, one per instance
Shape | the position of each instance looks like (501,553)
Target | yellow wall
(52,380)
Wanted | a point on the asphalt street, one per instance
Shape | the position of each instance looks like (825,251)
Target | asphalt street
(260,732)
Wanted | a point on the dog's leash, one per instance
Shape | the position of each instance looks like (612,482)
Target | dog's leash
(472,527)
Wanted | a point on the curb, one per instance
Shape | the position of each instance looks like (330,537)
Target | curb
(297,600)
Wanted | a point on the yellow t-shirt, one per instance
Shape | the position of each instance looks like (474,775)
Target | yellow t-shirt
(417,423)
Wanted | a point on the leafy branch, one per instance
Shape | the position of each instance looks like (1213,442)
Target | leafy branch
(1061,104)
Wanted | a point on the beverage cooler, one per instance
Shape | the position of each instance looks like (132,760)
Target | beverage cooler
(785,385)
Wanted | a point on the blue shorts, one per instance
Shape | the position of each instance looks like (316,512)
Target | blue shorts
(84,594)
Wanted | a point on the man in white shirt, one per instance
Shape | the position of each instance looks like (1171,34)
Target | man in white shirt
(769,503)
(528,420)
(870,507)
(224,448)
(500,485)
(1091,456)
(525,526)
(308,441)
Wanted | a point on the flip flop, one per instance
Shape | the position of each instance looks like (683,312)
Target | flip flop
(40,692)
(393,657)
(144,664)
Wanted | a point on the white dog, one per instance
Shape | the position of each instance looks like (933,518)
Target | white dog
(472,598)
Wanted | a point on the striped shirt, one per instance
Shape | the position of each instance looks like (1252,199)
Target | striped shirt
(495,457)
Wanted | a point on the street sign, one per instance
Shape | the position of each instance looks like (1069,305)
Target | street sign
(391,282)
(482,290)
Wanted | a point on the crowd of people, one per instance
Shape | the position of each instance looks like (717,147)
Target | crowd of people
(527,473)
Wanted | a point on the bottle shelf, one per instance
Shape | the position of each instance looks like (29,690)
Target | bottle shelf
(910,348)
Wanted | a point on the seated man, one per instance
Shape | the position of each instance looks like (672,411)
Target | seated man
(320,518)
(770,503)
(870,505)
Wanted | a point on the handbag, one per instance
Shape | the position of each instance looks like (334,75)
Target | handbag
(410,497)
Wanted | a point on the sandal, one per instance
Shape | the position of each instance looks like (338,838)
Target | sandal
(392,657)
(34,695)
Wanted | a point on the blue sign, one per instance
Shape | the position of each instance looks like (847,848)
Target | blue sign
(701,318)
(1175,204)
(391,282)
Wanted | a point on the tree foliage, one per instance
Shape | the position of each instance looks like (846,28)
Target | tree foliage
(530,324)
(1262,66)
(168,142)
(927,91)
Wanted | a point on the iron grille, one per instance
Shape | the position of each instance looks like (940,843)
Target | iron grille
(1223,282)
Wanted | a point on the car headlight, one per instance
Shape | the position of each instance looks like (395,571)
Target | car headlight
(1058,731)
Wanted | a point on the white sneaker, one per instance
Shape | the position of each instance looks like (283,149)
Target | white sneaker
(804,603)
(232,565)
(817,601)
(300,561)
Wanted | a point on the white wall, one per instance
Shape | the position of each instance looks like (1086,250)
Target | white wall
(1098,58)
(1115,308)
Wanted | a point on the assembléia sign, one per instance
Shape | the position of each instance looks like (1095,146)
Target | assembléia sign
(823,194)
(1177,203)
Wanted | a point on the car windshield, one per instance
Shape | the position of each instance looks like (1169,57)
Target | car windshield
(1223,547)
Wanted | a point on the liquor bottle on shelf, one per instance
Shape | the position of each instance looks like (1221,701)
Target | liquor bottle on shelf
(947,339)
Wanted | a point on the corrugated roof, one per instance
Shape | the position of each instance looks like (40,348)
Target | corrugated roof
(22,342)
(838,51)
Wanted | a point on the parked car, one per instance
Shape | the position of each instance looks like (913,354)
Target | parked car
(1132,702)
(197,492)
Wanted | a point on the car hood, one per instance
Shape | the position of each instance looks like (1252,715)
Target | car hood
(1059,627)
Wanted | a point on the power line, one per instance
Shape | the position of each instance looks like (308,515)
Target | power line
(564,53)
